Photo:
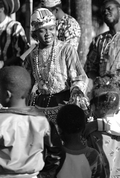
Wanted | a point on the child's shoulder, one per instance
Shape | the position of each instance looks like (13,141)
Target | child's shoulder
(30,110)
(30,113)
(92,154)
(29,116)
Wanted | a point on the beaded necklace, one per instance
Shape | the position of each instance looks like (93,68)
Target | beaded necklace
(49,64)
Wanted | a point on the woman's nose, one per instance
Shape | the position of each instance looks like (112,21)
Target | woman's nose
(47,31)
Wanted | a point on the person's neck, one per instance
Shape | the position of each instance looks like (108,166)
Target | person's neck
(61,15)
(74,143)
(17,104)
(43,46)
(74,146)
(115,29)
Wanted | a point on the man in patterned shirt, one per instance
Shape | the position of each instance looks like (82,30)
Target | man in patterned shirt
(104,55)
(13,41)
(68,28)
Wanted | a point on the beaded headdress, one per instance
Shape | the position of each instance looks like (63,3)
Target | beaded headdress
(42,17)
(50,3)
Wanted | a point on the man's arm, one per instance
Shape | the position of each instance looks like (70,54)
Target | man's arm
(78,80)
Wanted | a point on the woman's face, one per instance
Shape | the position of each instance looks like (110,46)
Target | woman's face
(46,35)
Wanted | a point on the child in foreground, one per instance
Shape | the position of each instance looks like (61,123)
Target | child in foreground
(25,132)
(80,160)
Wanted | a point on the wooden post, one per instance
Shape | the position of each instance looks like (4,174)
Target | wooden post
(84,17)
(29,9)
(69,7)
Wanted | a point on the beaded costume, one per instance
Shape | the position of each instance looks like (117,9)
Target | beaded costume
(52,76)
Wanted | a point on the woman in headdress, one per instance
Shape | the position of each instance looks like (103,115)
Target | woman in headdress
(57,73)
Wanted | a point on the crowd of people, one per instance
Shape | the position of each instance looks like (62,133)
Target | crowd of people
(83,139)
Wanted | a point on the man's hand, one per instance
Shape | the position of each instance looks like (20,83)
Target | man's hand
(77,97)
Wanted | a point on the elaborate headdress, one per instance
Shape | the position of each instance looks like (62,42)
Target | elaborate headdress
(42,17)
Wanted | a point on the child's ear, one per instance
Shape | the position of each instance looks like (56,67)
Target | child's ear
(8,96)
(56,9)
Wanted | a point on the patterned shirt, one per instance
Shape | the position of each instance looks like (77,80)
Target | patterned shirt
(69,30)
(63,73)
(104,55)
(13,41)
(85,163)
(109,147)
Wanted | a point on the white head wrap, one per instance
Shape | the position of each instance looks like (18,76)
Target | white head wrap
(42,17)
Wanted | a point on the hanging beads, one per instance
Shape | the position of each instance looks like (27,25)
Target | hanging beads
(39,72)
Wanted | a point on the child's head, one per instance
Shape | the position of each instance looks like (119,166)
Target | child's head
(71,119)
(106,103)
(15,84)
(42,21)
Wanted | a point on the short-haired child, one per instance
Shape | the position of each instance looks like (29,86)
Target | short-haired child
(25,132)
(80,160)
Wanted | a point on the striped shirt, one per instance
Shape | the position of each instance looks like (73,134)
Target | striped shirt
(13,41)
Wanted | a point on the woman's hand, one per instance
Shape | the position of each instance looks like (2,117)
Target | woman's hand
(77,97)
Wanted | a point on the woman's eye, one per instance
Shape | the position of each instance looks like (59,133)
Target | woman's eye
(41,30)
(51,28)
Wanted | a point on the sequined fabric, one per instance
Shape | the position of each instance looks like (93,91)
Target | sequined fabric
(69,30)
(65,73)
